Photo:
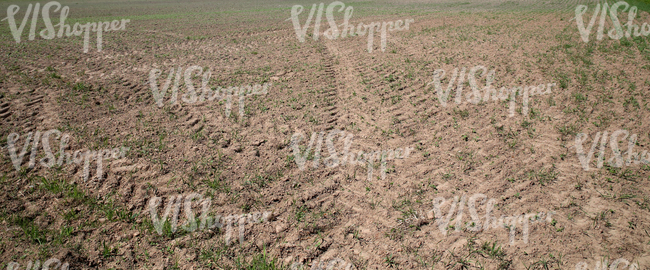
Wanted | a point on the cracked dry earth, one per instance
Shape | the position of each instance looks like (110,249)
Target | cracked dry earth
(244,164)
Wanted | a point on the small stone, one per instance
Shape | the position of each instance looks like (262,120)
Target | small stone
(430,215)
(225,143)
(259,243)
(280,228)
(258,142)
(238,148)
(102,220)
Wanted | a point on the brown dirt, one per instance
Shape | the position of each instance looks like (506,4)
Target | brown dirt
(528,164)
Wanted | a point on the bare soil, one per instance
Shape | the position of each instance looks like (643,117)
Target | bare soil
(527,163)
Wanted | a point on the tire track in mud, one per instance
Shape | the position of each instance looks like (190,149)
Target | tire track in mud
(274,31)
(419,102)
(26,109)
(131,84)
(114,78)
(4,109)
(218,45)
(328,99)
(329,95)
(37,107)
(119,77)
(140,94)
(372,79)
(400,102)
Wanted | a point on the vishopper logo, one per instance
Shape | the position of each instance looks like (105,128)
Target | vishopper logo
(207,222)
(348,157)
(336,263)
(52,263)
(617,158)
(50,160)
(509,222)
(617,31)
(614,266)
(489,92)
(334,33)
(49,31)
(207,93)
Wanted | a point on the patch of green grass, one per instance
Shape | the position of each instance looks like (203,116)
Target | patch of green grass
(53,185)
(493,251)
(81,87)
(31,230)
(543,176)
(546,264)
(641,5)
(108,251)
(212,257)
(579,97)
(390,261)
(567,130)
(218,184)
(563,79)
(259,262)
(300,212)
(462,113)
